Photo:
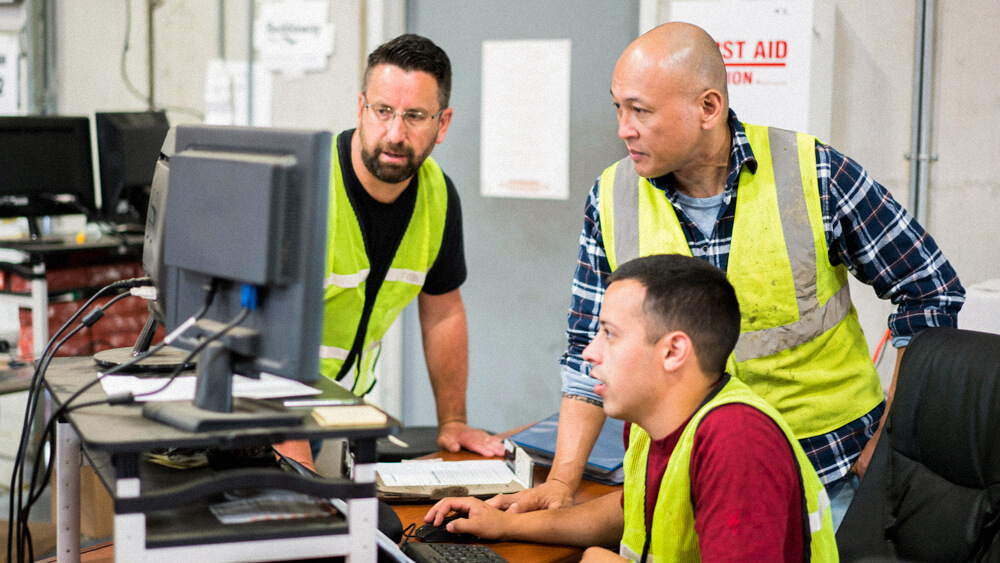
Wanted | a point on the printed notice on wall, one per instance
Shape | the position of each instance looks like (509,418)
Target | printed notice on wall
(10,56)
(525,119)
(777,71)
(294,37)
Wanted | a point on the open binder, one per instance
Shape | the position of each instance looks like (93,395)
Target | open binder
(433,480)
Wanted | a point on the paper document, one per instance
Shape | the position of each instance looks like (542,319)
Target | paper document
(182,388)
(433,480)
(448,473)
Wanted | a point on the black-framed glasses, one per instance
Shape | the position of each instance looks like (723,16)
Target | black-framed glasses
(411,118)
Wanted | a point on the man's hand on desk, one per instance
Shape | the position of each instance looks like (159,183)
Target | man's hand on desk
(599,555)
(479,518)
(550,494)
(455,435)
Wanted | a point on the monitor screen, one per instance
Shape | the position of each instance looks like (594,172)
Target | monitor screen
(128,145)
(45,166)
(244,211)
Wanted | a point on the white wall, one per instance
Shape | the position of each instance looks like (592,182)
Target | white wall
(186,33)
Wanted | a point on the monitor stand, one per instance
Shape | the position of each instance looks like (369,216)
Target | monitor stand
(165,360)
(213,407)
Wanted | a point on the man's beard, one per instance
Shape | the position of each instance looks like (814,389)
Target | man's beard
(393,173)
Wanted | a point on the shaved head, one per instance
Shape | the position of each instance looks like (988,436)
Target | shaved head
(684,53)
(669,89)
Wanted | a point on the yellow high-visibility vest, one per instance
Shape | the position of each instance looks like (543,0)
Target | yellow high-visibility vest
(672,536)
(347,269)
(801,347)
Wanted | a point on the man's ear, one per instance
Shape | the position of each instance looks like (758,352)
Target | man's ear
(675,349)
(711,108)
(445,118)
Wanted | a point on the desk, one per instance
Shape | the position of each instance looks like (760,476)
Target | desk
(515,551)
(31,260)
(414,514)
(158,513)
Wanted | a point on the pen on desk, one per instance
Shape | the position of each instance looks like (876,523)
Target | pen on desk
(319,402)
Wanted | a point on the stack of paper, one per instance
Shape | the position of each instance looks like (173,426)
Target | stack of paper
(605,462)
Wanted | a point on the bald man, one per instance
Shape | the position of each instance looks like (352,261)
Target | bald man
(786,217)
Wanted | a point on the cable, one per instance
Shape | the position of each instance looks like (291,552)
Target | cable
(145,98)
(197,350)
(17,476)
(877,357)
(67,406)
(125,46)
(34,388)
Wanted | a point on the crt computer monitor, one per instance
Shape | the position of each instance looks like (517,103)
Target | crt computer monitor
(128,146)
(240,207)
(45,167)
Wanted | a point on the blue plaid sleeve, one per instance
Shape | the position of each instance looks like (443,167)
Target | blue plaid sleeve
(592,270)
(883,246)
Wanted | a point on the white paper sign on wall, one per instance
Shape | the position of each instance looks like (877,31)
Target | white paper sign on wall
(778,55)
(10,60)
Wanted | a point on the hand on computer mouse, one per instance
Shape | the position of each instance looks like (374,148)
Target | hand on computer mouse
(473,517)
(439,534)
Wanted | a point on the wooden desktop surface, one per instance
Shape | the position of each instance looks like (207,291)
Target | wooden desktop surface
(514,551)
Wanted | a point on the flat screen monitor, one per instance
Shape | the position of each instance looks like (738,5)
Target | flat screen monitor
(243,211)
(45,167)
(128,146)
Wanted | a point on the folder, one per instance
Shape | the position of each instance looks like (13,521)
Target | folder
(605,462)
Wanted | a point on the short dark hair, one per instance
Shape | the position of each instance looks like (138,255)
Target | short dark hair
(412,52)
(690,295)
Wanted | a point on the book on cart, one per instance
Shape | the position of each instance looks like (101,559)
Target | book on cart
(605,462)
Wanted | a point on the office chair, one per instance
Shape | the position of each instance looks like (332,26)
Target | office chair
(932,489)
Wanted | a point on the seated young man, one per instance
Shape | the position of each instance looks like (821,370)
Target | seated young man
(712,471)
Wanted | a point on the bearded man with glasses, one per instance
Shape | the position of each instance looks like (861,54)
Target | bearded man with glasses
(395,234)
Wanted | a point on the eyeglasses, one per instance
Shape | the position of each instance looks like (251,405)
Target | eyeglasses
(412,118)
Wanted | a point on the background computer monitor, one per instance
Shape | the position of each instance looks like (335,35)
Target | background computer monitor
(243,207)
(45,167)
(128,145)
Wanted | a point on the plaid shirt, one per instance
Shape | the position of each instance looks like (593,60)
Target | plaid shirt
(866,230)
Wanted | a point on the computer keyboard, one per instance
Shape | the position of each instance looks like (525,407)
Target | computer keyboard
(450,553)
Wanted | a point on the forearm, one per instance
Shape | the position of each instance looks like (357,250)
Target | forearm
(580,423)
(299,450)
(596,522)
(883,246)
(446,349)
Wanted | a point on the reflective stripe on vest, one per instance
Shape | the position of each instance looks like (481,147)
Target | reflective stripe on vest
(673,536)
(814,318)
(801,347)
(348,270)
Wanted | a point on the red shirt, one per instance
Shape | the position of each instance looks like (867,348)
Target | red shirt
(744,483)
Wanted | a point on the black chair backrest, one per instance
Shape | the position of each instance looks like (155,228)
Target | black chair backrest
(932,490)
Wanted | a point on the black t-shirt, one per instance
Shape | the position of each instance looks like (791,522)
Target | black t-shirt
(384,224)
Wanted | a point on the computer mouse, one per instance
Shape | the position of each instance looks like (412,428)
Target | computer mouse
(439,534)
